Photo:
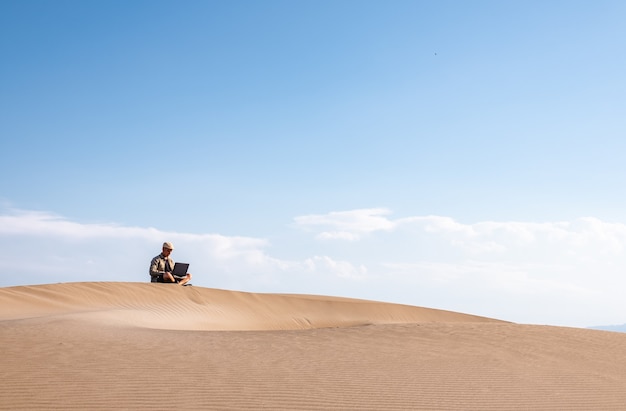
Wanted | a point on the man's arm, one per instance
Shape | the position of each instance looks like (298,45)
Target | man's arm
(154,267)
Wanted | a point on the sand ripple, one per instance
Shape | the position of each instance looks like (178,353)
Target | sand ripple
(129,346)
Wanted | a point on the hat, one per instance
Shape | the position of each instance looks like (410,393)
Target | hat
(168,245)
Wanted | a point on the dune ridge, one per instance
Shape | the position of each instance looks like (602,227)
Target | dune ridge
(168,306)
(102,346)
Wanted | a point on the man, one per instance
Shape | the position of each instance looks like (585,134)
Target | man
(162,265)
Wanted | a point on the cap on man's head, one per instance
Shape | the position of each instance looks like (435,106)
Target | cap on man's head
(168,245)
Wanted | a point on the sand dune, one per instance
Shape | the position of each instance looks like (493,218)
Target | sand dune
(156,346)
(168,306)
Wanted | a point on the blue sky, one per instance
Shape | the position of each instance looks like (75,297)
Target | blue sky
(458,155)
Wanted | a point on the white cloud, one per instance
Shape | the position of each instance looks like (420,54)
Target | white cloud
(347,225)
(344,269)
(338,235)
(543,272)
(50,248)
(41,224)
(519,279)
(43,247)
(565,273)
(481,237)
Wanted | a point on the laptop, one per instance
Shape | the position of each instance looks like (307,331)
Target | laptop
(180,270)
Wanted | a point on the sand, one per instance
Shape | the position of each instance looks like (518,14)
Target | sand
(162,346)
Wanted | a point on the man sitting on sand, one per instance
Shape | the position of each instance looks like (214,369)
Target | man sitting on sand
(162,265)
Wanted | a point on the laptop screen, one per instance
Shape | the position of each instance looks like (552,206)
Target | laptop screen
(180,269)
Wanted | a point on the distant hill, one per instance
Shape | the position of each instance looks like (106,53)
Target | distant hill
(617,328)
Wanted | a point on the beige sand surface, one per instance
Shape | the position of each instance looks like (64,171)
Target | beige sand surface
(161,346)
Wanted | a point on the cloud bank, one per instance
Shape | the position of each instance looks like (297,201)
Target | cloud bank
(563,273)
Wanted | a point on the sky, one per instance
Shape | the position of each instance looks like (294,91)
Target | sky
(465,156)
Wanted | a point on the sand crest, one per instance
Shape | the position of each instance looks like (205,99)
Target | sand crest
(157,346)
(169,306)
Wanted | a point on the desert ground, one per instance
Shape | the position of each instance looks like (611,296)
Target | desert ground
(147,346)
